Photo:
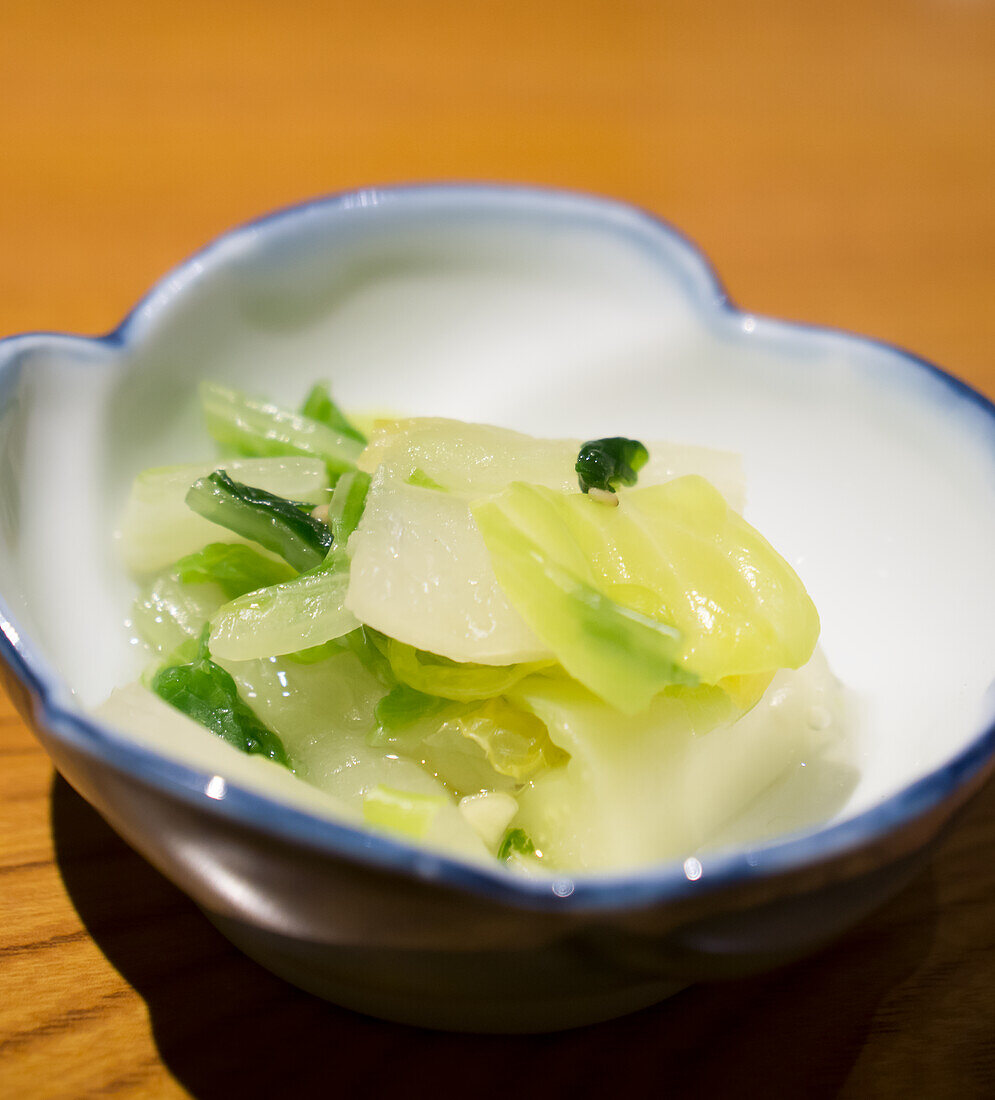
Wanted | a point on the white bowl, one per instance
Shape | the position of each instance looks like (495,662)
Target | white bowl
(872,471)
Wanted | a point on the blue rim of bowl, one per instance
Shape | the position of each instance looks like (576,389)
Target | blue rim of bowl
(669,882)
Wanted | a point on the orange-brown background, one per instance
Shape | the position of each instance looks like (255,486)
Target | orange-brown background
(836,162)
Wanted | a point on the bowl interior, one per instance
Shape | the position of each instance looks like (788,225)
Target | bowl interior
(556,315)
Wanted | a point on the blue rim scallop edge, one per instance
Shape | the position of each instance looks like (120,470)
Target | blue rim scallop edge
(655,885)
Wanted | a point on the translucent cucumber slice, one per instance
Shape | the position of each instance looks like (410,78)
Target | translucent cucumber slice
(157,527)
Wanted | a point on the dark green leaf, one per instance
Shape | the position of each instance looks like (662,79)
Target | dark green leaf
(607,463)
(206,693)
(275,523)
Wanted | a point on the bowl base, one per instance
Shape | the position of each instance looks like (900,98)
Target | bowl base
(497,992)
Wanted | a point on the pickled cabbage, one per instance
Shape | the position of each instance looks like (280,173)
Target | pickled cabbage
(466,651)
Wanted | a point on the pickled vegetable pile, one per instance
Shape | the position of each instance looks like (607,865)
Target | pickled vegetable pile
(553,653)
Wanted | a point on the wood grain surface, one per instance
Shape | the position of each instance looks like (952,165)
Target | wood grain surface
(836,162)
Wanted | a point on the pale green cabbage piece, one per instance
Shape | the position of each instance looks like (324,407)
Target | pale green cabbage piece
(157,527)
(296,614)
(596,790)
(253,427)
(420,571)
(409,813)
(661,784)
(593,581)
(622,655)
(463,682)
(476,459)
(490,745)
(322,712)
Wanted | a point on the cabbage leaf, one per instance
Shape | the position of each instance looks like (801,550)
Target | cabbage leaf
(672,586)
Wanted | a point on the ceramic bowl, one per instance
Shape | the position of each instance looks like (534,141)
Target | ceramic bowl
(872,471)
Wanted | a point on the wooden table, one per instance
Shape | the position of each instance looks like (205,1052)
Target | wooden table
(837,163)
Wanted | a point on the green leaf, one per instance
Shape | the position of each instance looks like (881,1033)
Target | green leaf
(606,463)
(253,427)
(206,693)
(318,405)
(515,841)
(620,654)
(278,525)
(402,706)
(671,581)
(237,569)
